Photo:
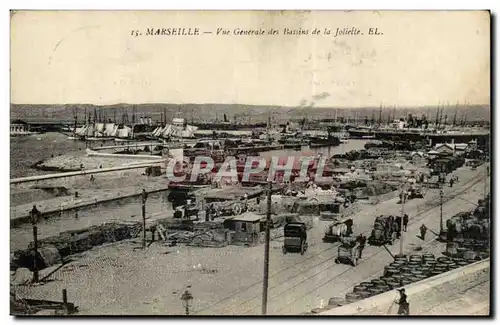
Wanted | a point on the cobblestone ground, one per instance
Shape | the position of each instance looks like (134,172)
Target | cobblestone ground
(119,280)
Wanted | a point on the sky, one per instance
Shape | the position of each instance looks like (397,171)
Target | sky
(422,58)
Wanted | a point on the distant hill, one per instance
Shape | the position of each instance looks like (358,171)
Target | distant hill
(236,112)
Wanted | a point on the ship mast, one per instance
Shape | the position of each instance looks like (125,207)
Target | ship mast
(437,116)
(380,114)
(455,115)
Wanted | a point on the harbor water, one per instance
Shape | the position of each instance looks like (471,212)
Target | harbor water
(28,150)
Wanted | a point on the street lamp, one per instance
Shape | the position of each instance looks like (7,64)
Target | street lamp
(442,233)
(403,199)
(35,215)
(144,196)
(186,299)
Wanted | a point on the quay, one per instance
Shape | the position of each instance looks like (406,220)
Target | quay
(21,214)
(483,138)
(82,173)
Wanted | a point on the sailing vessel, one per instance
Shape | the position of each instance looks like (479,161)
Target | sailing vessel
(178,129)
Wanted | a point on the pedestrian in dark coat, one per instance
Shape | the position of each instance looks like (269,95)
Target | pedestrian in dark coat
(404,306)
(405,222)
(362,243)
(423,230)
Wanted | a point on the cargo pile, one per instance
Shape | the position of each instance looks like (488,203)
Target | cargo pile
(53,249)
(446,164)
(403,271)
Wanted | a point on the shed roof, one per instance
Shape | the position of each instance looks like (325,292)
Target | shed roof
(248,217)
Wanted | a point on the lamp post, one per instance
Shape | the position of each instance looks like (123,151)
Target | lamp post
(403,199)
(186,298)
(441,228)
(265,281)
(35,215)
(144,199)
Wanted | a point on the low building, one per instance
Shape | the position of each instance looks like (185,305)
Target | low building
(19,127)
(451,148)
(247,228)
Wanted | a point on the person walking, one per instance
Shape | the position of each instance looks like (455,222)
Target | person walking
(405,222)
(362,243)
(404,306)
(423,230)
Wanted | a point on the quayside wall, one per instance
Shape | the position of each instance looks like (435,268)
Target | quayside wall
(423,295)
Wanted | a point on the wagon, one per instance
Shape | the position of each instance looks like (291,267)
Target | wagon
(348,254)
(295,238)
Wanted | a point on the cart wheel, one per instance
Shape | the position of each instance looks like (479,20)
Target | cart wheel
(337,261)
(284,250)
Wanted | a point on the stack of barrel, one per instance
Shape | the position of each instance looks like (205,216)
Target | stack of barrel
(403,271)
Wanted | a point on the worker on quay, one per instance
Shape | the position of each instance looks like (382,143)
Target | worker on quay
(362,243)
(405,222)
(451,182)
(245,199)
(404,306)
(423,230)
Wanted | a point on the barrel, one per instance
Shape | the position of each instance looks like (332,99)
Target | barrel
(452,266)
(374,291)
(398,263)
(420,277)
(352,297)
(366,284)
(430,263)
(413,278)
(397,277)
(435,272)
(336,301)
(390,269)
(415,258)
(425,269)
(400,259)
(377,282)
(469,261)
(414,263)
(441,269)
(386,278)
(365,294)
(393,284)
(462,263)
(401,256)
(405,281)
(461,251)
(406,269)
(359,288)
(457,259)
(428,256)
(416,272)
(441,259)
(317,310)
(384,288)
(446,262)
(470,254)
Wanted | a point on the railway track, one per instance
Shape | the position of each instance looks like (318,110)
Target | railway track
(251,294)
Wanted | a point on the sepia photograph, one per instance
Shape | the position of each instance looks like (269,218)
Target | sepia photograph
(250,163)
